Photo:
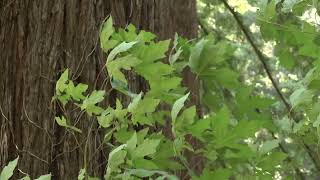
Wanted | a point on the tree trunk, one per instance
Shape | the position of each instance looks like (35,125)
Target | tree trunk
(40,38)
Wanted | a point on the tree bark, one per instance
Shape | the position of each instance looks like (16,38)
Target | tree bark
(40,38)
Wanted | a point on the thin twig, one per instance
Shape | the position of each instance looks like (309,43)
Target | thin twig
(32,155)
(35,124)
(5,117)
(286,28)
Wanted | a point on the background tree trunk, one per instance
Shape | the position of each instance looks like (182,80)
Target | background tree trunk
(40,38)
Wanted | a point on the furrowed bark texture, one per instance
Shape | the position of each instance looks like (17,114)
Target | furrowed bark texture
(40,38)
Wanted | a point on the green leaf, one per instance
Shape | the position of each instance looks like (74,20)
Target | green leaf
(316,123)
(106,118)
(310,50)
(269,145)
(146,36)
(61,83)
(199,128)
(220,122)
(261,102)
(152,52)
(145,164)
(301,96)
(121,87)
(224,76)
(188,115)
(123,47)
(106,32)
(300,7)
(286,58)
(175,56)
(243,129)
(116,158)
(240,152)
(268,31)
(269,162)
(142,119)
(142,134)
(129,34)
(126,63)
(218,174)
(142,173)
(63,122)
(148,147)
(25,178)
(269,11)
(194,61)
(246,129)
(132,143)
(146,105)
(119,112)
(287,5)
(159,85)
(63,98)
(285,124)
(76,92)
(82,173)
(134,104)
(206,54)
(211,155)
(89,104)
(177,106)
(7,171)
(93,178)
(185,121)
(148,71)
(94,98)
(44,177)
(123,135)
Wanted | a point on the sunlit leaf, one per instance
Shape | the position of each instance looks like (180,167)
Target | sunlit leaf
(44,177)
(7,171)
(177,106)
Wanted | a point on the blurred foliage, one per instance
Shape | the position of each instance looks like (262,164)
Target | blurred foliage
(287,32)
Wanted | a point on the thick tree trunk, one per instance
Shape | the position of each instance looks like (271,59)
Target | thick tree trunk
(38,39)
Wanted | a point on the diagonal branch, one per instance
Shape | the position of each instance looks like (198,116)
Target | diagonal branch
(262,59)
(259,54)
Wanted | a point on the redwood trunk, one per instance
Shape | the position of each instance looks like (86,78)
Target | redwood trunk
(40,38)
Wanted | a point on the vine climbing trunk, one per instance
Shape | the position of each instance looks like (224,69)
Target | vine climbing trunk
(40,38)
